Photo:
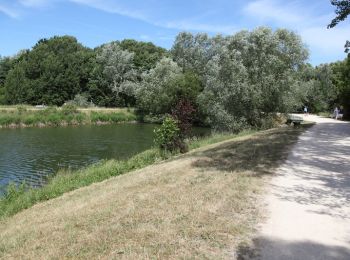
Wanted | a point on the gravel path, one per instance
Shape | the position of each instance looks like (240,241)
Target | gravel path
(309,203)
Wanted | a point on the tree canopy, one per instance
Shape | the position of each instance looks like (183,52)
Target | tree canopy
(230,82)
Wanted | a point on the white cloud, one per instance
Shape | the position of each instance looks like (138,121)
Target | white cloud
(325,44)
(34,3)
(112,7)
(186,24)
(195,26)
(9,11)
(272,10)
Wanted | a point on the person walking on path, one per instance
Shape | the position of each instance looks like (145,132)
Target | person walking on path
(305,110)
(336,113)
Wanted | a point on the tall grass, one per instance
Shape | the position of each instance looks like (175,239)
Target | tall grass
(21,116)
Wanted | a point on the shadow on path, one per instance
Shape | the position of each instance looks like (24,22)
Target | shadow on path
(291,250)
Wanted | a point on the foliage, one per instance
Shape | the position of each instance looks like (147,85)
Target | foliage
(252,75)
(183,113)
(155,94)
(342,11)
(67,115)
(146,54)
(320,91)
(80,100)
(69,109)
(54,71)
(119,71)
(162,87)
(341,80)
(167,137)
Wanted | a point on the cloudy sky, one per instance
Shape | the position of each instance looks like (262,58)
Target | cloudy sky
(93,22)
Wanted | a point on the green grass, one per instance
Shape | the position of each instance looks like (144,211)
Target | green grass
(64,181)
(22,116)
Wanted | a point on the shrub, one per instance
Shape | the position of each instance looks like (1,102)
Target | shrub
(184,113)
(167,137)
(69,109)
(21,109)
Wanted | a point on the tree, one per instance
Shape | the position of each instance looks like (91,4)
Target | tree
(341,80)
(321,92)
(164,86)
(146,54)
(253,75)
(342,11)
(119,71)
(55,70)
(192,52)
(156,94)
(16,86)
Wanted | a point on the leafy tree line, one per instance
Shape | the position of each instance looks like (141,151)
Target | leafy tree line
(55,70)
(229,82)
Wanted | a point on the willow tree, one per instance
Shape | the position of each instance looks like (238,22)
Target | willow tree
(256,75)
(119,71)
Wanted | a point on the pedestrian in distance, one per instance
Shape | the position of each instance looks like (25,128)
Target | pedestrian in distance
(336,113)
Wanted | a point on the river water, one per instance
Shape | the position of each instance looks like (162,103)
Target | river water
(31,154)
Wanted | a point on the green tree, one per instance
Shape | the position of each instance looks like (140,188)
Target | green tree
(321,92)
(162,87)
(16,86)
(342,11)
(119,71)
(55,70)
(146,54)
(254,74)
(341,80)
(6,64)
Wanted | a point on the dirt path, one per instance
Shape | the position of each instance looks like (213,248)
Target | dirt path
(309,204)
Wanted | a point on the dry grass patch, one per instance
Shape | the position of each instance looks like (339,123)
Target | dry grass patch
(201,205)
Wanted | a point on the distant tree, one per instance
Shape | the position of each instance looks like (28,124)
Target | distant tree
(156,94)
(341,80)
(192,52)
(342,11)
(321,92)
(54,71)
(146,54)
(16,86)
(119,71)
(162,87)
(6,64)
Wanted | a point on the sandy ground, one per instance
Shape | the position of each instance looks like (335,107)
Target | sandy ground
(309,204)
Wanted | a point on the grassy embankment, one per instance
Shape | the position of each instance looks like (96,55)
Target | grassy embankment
(26,116)
(201,204)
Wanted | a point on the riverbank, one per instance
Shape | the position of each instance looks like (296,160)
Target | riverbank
(26,116)
(199,204)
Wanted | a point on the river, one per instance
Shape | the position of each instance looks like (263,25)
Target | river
(32,154)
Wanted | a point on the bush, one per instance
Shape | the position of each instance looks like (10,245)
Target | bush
(21,109)
(80,100)
(167,137)
(184,113)
(69,109)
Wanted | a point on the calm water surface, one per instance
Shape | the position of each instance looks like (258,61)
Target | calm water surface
(30,154)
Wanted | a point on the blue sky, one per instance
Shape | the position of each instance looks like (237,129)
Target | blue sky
(93,22)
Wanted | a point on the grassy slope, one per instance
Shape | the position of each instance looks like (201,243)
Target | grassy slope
(201,204)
